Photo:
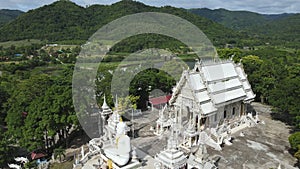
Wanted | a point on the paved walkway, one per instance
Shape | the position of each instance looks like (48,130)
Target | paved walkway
(91,163)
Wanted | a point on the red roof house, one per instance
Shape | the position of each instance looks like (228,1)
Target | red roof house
(159,102)
(35,156)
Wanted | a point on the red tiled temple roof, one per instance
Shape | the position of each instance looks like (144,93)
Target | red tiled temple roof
(160,100)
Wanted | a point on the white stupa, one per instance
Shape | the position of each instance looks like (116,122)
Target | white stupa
(106,111)
(113,120)
(172,158)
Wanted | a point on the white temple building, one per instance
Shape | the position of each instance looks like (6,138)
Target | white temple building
(212,93)
(212,97)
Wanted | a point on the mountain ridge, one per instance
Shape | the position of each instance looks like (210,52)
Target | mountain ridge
(237,20)
(65,20)
(7,15)
(276,29)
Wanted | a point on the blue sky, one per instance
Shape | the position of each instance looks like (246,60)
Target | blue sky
(260,6)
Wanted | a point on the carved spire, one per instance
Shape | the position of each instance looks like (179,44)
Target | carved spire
(105,108)
(117,104)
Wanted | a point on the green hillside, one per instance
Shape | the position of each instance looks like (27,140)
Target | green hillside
(286,29)
(65,20)
(7,15)
(238,20)
(277,29)
(56,21)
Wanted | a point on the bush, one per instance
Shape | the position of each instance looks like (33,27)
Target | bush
(294,140)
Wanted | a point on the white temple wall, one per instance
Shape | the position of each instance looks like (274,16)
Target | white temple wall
(227,113)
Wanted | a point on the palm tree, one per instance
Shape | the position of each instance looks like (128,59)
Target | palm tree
(59,152)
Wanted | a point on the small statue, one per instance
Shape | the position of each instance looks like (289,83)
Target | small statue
(109,164)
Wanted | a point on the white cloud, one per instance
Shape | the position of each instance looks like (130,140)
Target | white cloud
(262,6)
(23,4)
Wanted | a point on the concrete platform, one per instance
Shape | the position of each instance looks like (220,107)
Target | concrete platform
(263,146)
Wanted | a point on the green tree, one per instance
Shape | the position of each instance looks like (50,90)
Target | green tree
(3,97)
(251,63)
(18,104)
(126,103)
(40,108)
(285,97)
(59,153)
(148,80)
(227,53)
(294,140)
(4,149)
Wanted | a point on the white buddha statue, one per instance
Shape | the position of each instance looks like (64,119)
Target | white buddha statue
(120,152)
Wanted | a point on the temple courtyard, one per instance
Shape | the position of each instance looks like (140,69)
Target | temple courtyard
(264,146)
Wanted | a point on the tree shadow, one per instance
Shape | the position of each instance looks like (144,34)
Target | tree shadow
(78,138)
(286,119)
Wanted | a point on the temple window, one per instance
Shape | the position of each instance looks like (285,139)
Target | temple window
(233,111)
(203,120)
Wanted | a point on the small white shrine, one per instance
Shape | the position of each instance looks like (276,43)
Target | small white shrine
(164,122)
(113,149)
(172,157)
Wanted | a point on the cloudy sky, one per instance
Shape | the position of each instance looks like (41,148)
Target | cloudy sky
(260,6)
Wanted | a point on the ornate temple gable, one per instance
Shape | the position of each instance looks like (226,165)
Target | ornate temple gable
(178,87)
(186,99)
(246,84)
(191,92)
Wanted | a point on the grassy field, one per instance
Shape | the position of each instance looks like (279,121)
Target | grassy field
(20,43)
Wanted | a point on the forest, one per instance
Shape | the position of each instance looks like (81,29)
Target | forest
(36,106)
